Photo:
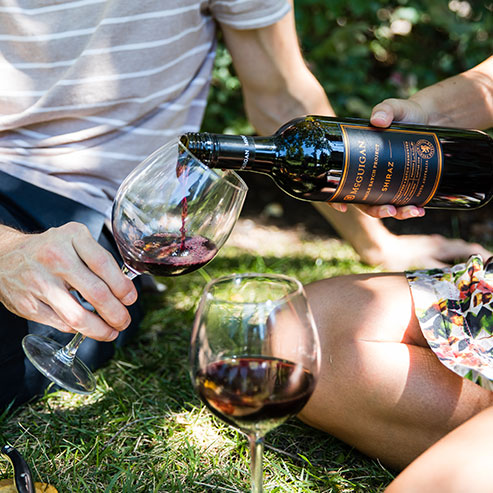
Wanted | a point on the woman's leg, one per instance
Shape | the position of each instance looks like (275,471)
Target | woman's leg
(381,388)
(460,462)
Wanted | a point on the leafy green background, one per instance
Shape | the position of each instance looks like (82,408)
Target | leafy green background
(363,51)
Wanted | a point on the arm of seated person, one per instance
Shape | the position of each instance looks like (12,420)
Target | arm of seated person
(460,461)
(278,86)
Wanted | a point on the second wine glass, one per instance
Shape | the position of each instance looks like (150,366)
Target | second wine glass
(170,217)
(254,354)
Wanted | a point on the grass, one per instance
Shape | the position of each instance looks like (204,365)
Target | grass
(145,430)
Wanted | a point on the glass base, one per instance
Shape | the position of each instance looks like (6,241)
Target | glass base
(74,376)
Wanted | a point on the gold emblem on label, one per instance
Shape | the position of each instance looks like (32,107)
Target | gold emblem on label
(425,149)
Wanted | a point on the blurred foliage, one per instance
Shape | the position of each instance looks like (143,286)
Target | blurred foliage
(363,51)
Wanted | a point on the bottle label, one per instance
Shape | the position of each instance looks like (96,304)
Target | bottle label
(389,166)
(248,151)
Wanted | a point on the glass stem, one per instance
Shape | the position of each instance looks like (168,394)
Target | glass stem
(256,454)
(67,354)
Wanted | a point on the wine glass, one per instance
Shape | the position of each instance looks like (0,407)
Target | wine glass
(254,354)
(170,216)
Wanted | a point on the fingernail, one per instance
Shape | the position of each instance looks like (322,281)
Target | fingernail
(113,335)
(389,210)
(129,298)
(417,212)
(379,115)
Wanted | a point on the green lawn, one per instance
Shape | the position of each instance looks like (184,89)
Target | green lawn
(144,429)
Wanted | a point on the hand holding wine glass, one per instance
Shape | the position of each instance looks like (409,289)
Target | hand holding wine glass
(170,216)
(254,354)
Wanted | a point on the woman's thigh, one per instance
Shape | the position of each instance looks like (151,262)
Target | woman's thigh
(370,307)
(381,387)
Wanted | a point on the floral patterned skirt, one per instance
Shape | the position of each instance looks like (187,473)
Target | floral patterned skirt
(454,307)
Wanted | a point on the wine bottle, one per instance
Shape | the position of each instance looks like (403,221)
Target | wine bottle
(318,158)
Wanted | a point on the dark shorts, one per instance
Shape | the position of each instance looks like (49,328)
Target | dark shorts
(32,209)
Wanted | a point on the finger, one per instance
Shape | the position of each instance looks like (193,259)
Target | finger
(338,206)
(382,114)
(433,263)
(485,254)
(400,110)
(75,317)
(378,211)
(101,262)
(409,212)
(388,210)
(106,305)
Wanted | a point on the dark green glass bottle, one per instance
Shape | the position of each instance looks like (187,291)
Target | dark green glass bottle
(319,158)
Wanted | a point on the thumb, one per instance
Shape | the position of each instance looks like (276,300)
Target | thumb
(392,109)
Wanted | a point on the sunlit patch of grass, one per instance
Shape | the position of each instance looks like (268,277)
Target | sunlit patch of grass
(198,428)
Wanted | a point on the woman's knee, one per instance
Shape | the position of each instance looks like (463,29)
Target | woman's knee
(369,306)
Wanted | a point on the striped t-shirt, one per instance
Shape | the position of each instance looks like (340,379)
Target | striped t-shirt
(89,88)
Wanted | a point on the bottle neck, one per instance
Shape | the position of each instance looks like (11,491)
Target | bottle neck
(236,152)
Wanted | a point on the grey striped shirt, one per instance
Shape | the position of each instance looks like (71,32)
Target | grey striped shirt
(89,88)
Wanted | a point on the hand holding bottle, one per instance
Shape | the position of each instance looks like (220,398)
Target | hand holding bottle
(461,101)
(382,115)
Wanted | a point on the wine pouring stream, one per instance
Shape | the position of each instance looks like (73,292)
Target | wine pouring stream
(170,217)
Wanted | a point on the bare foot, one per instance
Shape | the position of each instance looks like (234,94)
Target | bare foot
(376,245)
(398,253)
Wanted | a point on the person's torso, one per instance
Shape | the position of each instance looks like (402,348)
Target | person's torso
(91,87)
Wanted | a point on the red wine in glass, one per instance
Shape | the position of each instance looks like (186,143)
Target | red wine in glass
(167,254)
(254,393)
